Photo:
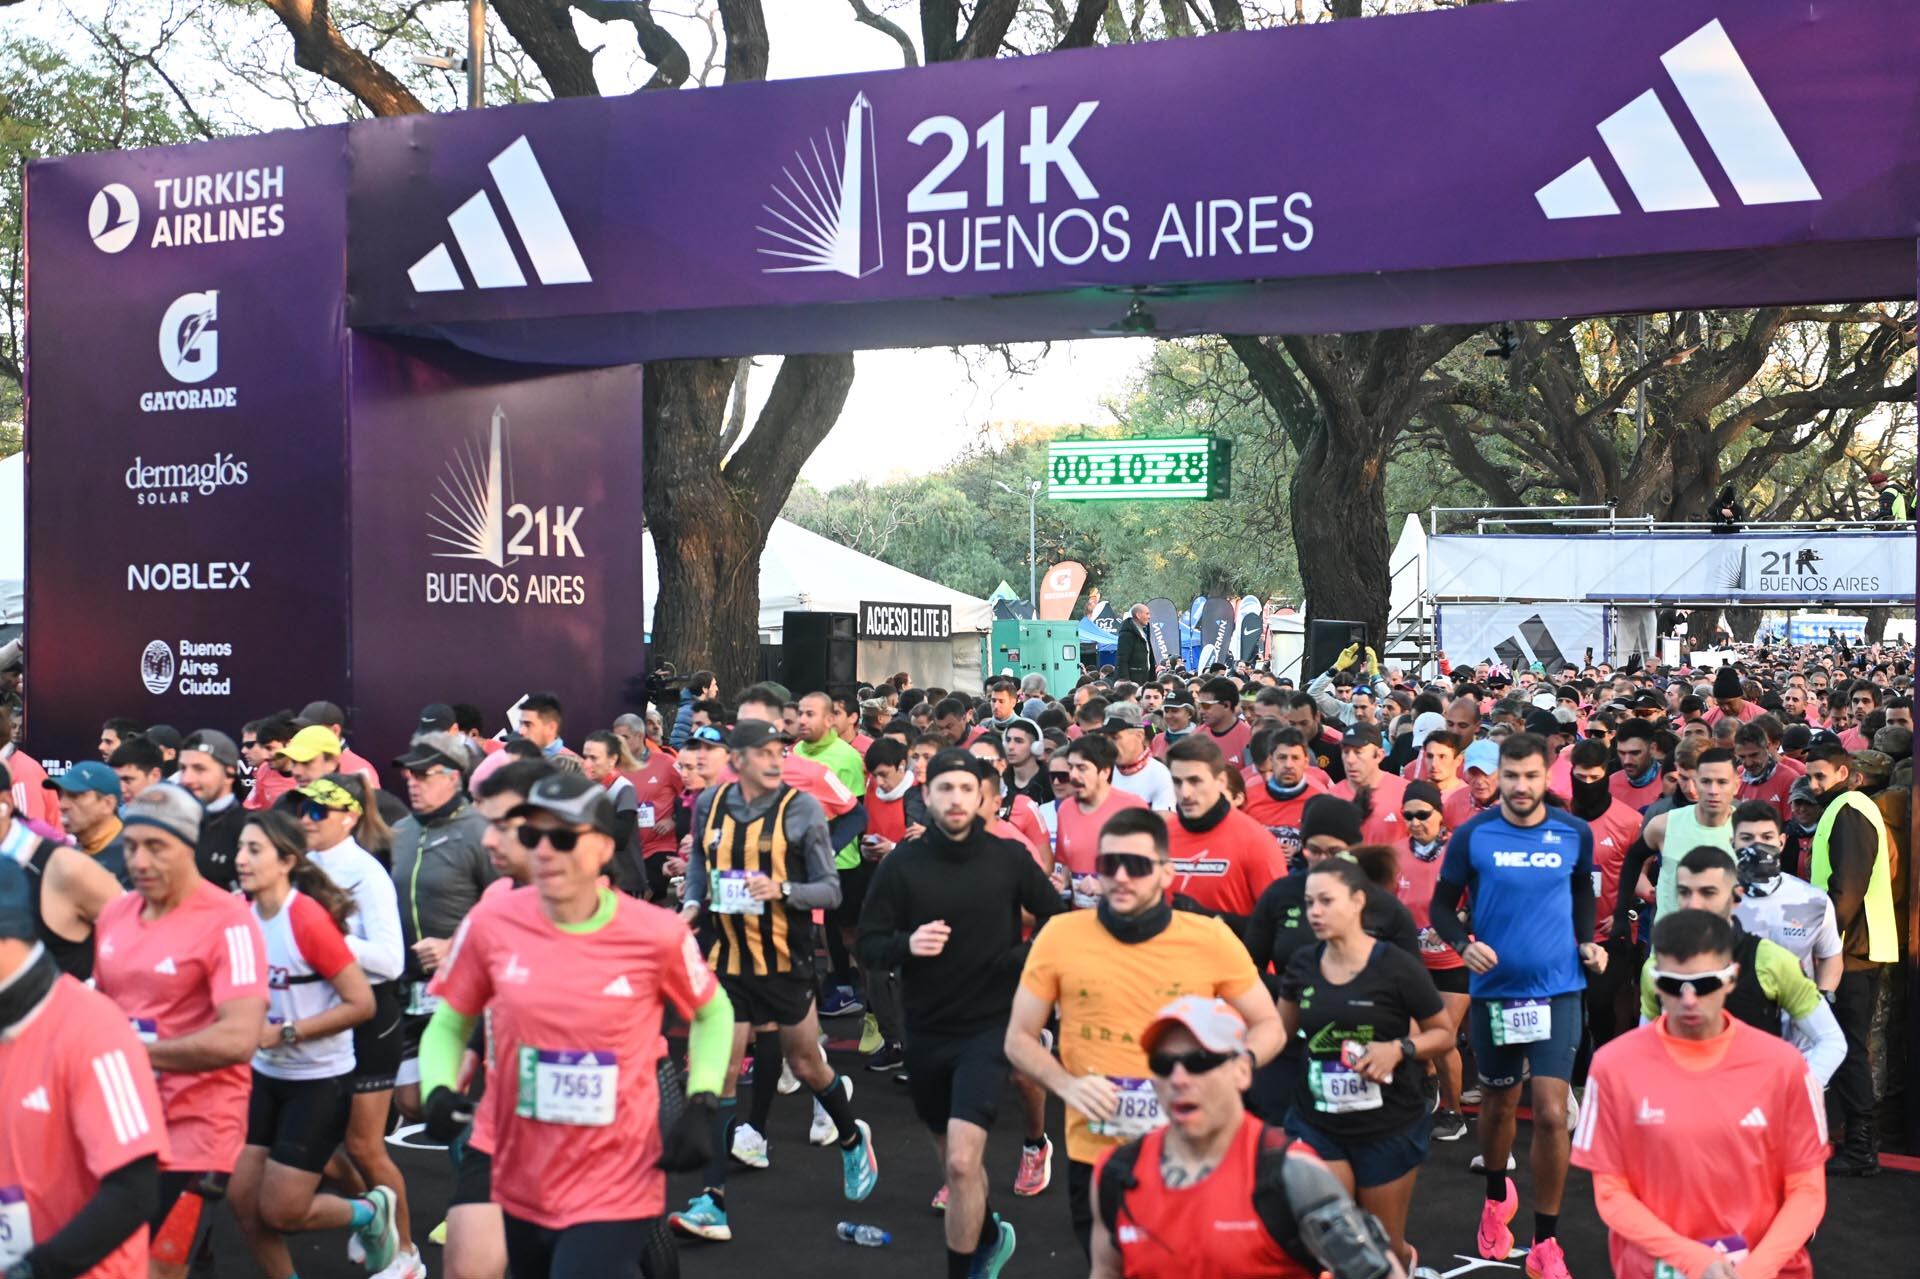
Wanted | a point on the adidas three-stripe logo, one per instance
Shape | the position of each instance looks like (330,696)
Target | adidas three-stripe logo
(483,241)
(1755,1118)
(1733,116)
(124,1108)
(242,969)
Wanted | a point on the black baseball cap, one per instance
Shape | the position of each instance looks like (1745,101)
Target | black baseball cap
(572,797)
(1360,735)
(750,733)
(435,717)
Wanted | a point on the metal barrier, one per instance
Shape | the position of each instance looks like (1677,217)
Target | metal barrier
(1607,519)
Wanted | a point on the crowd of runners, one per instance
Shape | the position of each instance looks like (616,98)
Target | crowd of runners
(1266,943)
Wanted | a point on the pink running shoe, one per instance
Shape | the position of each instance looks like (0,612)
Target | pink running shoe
(1036,1170)
(1545,1260)
(940,1200)
(1495,1239)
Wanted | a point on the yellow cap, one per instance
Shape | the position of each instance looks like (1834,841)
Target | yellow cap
(310,743)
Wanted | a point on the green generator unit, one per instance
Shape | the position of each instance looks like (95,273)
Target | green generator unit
(1051,649)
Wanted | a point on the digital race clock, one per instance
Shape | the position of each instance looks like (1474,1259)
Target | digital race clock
(1184,468)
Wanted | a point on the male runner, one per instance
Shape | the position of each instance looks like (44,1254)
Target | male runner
(1528,869)
(83,1131)
(67,888)
(946,910)
(1709,821)
(1705,1138)
(1108,970)
(1779,906)
(761,864)
(1222,858)
(576,978)
(821,744)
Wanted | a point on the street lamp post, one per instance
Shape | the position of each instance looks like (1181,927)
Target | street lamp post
(1033,562)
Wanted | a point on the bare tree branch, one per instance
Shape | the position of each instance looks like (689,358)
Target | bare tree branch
(1084,25)
(887,27)
(319,47)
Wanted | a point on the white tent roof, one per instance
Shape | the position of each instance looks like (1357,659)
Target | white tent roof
(13,539)
(802,571)
(1409,585)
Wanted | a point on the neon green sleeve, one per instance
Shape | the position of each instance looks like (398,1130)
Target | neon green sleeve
(441,1044)
(1783,982)
(1649,997)
(709,1044)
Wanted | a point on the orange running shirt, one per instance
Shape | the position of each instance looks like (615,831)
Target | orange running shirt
(1706,1146)
(78,1094)
(1079,833)
(169,976)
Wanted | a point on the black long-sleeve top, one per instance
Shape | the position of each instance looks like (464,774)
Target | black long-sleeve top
(978,885)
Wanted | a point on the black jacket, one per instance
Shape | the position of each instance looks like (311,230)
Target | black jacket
(978,886)
(219,842)
(1134,659)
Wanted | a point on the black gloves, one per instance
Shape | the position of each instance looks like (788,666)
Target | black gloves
(446,1113)
(687,1144)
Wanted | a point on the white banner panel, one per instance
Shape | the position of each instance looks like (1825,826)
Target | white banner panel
(1738,568)
(1516,635)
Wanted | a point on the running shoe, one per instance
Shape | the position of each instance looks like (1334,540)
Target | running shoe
(841,1001)
(870,1039)
(749,1147)
(1036,1169)
(1418,1271)
(940,1200)
(989,1261)
(746,1072)
(1471,1096)
(859,1169)
(1545,1260)
(703,1219)
(380,1237)
(824,1132)
(356,1251)
(889,1057)
(438,1235)
(1449,1125)
(788,1084)
(405,1266)
(1479,1164)
(1495,1240)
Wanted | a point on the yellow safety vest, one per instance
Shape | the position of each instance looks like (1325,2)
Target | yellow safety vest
(1882,947)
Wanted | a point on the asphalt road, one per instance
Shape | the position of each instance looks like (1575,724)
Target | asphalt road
(783,1218)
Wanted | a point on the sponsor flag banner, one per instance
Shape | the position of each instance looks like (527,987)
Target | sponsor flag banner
(1059,589)
(1216,625)
(1248,628)
(1676,568)
(1163,630)
(187,496)
(496,540)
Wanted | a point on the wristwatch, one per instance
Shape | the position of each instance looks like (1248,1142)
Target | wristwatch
(288,1035)
(786,889)
(1407,1049)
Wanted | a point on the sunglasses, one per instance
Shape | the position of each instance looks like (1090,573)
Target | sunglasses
(563,840)
(1137,865)
(1417,814)
(1059,779)
(1702,984)
(250,745)
(1197,1062)
(314,811)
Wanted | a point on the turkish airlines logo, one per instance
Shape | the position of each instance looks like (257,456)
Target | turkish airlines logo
(483,242)
(114,218)
(826,216)
(1733,116)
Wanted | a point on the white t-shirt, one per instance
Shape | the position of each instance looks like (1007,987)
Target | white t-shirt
(1152,783)
(376,940)
(1795,915)
(305,952)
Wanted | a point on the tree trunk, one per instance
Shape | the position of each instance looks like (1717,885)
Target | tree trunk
(1702,624)
(1339,500)
(1877,618)
(1744,623)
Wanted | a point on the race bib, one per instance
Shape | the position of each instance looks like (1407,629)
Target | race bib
(1431,943)
(420,1003)
(1521,1021)
(1597,877)
(1136,1111)
(1338,1090)
(730,896)
(16,1227)
(644,816)
(146,1028)
(1732,1247)
(567,1086)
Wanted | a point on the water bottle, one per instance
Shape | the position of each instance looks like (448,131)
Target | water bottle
(865,1236)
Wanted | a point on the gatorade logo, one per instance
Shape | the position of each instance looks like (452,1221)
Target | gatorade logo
(1550,861)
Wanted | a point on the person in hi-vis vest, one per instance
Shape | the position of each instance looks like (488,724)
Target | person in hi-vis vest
(1851,860)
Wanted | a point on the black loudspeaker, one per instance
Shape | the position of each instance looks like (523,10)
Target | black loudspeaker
(1325,639)
(818,652)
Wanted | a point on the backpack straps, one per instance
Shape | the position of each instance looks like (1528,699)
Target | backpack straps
(1116,1178)
(1270,1202)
